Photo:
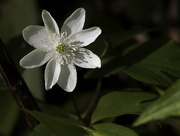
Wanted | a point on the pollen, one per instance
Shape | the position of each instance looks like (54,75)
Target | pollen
(61,48)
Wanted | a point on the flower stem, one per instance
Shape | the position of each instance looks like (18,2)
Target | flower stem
(76,107)
(93,99)
(17,86)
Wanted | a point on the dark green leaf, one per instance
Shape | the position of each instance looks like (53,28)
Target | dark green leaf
(120,103)
(58,126)
(91,132)
(42,130)
(149,62)
(110,129)
(134,54)
(154,68)
(166,106)
(148,74)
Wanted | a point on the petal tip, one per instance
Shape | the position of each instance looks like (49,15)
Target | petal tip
(25,32)
(81,9)
(99,31)
(69,90)
(44,12)
(99,66)
(98,62)
(47,88)
(22,63)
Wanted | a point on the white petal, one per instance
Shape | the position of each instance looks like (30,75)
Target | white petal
(86,36)
(36,36)
(52,72)
(74,23)
(50,24)
(86,59)
(68,77)
(36,58)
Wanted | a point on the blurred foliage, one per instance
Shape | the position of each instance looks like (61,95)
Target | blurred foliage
(137,83)
(15,16)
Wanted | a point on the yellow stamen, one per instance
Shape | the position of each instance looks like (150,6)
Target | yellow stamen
(61,48)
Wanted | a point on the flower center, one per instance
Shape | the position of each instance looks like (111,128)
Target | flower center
(66,50)
(61,48)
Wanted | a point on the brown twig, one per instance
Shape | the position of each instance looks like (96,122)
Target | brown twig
(17,86)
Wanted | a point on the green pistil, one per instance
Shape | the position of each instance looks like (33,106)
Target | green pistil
(61,48)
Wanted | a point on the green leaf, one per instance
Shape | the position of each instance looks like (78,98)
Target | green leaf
(42,130)
(166,106)
(119,103)
(148,74)
(155,67)
(57,126)
(91,132)
(132,55)
(153,62)
(110,129)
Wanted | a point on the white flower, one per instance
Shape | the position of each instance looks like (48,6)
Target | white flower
(61,49)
